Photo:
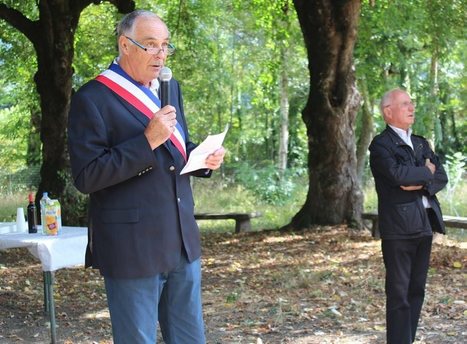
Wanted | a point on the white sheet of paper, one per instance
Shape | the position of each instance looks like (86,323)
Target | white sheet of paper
(197,159)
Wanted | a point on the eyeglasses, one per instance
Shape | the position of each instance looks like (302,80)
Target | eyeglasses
(166,48)
(403,104)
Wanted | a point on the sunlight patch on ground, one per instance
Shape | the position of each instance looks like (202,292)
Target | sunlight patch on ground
(367,244)
(446,240)
(327,338)
(229,242)
(285,238)
(101,314)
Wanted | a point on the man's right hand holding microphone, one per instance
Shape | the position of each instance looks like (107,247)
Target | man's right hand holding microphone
(161,126)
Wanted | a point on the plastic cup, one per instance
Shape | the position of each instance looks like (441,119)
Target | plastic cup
(20,220)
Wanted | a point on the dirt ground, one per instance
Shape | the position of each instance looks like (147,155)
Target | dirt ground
(324,285)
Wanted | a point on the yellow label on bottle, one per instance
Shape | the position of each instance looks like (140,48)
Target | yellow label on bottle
(53,219)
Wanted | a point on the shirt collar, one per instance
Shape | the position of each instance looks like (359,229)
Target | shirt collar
(403,134)
(154,87)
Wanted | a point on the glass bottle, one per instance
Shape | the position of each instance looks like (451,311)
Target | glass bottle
(32,216)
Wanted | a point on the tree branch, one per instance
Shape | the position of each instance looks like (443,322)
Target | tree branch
(18,21)
(123,6)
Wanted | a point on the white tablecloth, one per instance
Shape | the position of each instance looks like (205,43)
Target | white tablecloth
(55,252)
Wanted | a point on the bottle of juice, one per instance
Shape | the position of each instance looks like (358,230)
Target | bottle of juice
(51,217)
(42,203)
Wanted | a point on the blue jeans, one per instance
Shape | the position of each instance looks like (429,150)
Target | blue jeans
(173,299)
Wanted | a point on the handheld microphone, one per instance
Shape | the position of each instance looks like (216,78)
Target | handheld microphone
(165,75)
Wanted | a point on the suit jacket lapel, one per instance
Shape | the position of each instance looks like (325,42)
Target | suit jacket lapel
(140,117)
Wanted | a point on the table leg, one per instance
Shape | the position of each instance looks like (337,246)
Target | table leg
(49,304)
(46,295)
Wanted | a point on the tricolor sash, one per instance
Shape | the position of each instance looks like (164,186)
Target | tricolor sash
(140,97)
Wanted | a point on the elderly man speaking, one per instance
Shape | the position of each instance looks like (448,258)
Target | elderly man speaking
(127,151)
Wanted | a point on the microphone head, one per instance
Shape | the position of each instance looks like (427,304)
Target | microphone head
(165,74)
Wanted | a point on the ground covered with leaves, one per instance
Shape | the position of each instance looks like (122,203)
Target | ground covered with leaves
(323,285)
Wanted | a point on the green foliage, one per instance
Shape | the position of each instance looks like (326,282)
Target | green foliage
(13,139)
(18,97)
(266,183)
(95,42)
(217,194)
(14,188)
(452,197)
(412,44)
(9,203)
(228,62)
(22,180)
(17,64)
(76,212)
(455,169)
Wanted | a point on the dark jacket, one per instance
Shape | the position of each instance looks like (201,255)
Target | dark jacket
(141,210)
(401,214)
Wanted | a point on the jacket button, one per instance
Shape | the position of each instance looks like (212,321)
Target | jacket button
(178,199)
(172,168)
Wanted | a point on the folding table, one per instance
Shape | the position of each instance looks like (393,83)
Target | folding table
(54,252)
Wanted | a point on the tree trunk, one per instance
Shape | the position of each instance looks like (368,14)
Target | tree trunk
(433,118)
(284,114)
(34,142)
(53,39)
(54,48)
(334,195)
(283,151)
(366,132)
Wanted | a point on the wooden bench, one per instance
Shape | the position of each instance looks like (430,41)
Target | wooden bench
(242,220)
(373,217)
(455,221)
(449,221)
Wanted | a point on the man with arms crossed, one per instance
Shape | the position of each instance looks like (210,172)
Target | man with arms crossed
(407,176)
(127,153)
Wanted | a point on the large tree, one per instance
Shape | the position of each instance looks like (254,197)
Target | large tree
(52,35)
(334,196)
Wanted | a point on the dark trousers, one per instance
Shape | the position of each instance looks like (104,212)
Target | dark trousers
(406,263)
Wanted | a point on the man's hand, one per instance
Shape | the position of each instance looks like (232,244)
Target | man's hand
(161,126)
(411,187)
(430,165)
(214,160)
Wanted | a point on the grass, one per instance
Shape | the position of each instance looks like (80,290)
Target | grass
(9,204)
(454,206)
(215,195)
(212,195)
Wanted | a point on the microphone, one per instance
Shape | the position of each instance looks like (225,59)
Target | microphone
(165,75)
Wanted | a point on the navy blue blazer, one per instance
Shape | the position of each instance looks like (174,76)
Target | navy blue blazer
(141,210)
(401,214)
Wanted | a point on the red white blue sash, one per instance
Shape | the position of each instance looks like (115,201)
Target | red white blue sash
(140,97)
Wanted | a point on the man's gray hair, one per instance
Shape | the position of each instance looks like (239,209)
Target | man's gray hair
(125,26)
(386,99)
